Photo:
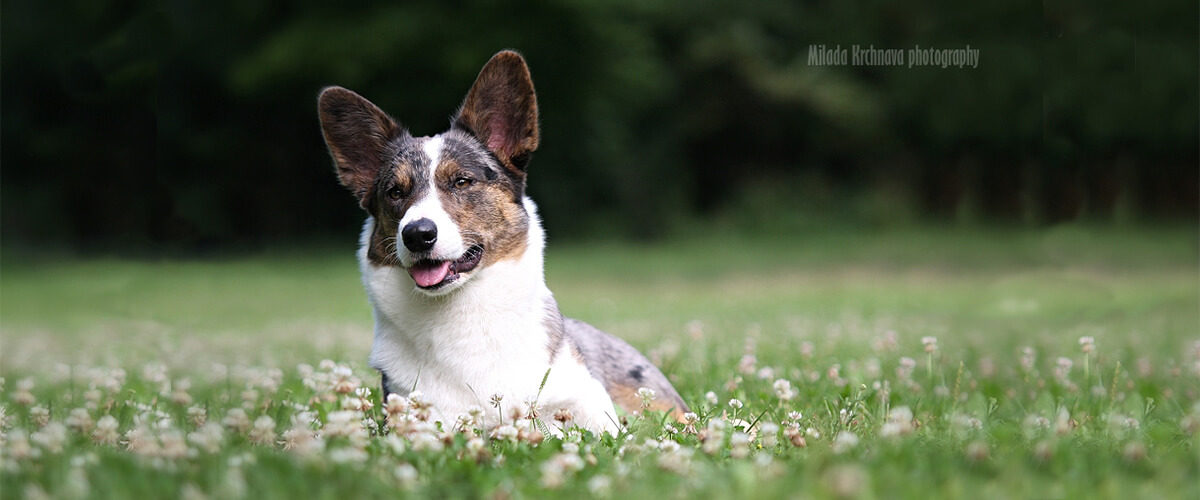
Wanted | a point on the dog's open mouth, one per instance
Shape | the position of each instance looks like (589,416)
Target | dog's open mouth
(431,274)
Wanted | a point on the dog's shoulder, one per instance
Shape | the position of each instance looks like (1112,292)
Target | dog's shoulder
(622,369)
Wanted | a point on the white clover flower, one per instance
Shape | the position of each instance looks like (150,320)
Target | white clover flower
(505,432)
(406,474)
(930,343)
(197,415)
(739,443)
(600,485)
(302,440)
(735,404)
(79,420)
(844,441)
(747,364)
(783,389)
(899,422)
(647,395)
(208,437)
(263,432)
(770,434)
(51,437)
(19,447)
(172,445)
(347,454)
(711,397)
(106,431)
(1087,344)
(795,416)
(236,420)
(40,415)
(677,460)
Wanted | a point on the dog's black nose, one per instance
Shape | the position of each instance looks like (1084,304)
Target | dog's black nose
(419,235)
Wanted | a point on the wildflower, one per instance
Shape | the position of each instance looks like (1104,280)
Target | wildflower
(364,398)
(977,451)
(79,420)
(735,403)
(930,344)
(794,416)
(51,437)
(406,474)
(180,395)
(783,390)
(844,441)
(1063,368)
(563,416)
(207,438)
(172,444)
(812,433)
(533,409)
(24,396)
(1062,422)
(19,447)
(711,397)
(1043,451)
(905,369)
(496,399)
(141,440)
(600,485)
(505,432)
(197,415)
(304,441)
(647,395)
(344,381)
(106,430)
(1028,358)
(1134,452)
(1087,344)
(40,415)
(346,424)
(236,420)
(739,444)
(677,460)
(347,454)
(746,364)
(806,349)
(263,432)
(899,422)
(395,405)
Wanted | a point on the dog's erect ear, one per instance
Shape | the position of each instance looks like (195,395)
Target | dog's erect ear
(359,137)
(501,110)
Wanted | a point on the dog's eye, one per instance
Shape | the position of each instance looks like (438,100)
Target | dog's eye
(462,182)
(395,192)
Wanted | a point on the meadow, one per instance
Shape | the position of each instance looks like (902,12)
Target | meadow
(903,363)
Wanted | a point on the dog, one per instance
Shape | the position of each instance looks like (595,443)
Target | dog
(451,259)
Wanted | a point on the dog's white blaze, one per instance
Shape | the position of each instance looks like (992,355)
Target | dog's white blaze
(449,245)
(487,338)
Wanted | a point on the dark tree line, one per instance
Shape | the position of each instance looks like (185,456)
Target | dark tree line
(193,124)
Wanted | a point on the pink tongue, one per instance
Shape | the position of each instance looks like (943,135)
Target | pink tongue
(427,274)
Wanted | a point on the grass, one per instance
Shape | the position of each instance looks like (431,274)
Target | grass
(1006,403)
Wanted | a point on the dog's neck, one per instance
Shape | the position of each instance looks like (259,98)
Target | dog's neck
(500,313)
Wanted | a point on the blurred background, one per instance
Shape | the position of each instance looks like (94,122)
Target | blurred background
(182,126)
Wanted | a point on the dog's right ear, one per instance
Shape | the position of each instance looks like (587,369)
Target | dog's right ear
(359,136)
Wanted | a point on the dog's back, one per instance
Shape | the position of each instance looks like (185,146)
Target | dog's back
(622,369)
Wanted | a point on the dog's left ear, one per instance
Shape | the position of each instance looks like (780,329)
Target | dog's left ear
(501,110)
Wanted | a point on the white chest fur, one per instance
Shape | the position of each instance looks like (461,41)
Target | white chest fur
(488,337)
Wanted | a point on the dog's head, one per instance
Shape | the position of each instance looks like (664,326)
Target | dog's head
(447,205)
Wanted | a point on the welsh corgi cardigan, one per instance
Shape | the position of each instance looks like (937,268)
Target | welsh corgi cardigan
(451,258)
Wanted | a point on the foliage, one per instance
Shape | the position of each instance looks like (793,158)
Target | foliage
(920,364)
(193,124)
